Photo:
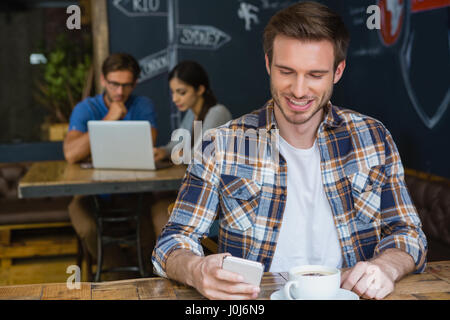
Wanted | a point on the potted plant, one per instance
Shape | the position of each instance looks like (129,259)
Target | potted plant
(66,79)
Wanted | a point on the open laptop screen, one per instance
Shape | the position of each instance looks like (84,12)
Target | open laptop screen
(121,145)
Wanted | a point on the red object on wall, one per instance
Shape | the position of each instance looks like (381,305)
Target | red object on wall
(422,5)
(392,14)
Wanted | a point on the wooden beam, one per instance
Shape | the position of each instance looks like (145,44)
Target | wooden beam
(5,237)
(44,247)
(8,227)
(100,36)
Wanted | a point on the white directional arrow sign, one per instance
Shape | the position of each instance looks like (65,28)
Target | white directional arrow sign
(196,37)
(189,37)
(153,65)
(139,8)
(200,37)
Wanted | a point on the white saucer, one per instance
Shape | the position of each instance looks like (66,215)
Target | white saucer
(341,295)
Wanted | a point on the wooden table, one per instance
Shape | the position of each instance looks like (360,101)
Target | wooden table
(58,178)
(433,284)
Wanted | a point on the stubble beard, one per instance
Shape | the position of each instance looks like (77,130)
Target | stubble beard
(110,98)
(277,102)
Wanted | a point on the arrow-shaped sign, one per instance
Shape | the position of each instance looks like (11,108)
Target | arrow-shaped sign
(140,8)
(196,37)
(200,37)
(189,37)
(153,65)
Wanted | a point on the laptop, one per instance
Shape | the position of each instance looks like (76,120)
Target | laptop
(122,145)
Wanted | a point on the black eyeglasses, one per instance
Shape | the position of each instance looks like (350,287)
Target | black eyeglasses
(116,85)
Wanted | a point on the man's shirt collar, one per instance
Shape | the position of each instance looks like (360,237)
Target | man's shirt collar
(266,116)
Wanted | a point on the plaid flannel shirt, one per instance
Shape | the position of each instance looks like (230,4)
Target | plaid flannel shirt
(246,191)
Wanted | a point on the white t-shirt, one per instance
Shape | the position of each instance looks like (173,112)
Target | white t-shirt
(308,234)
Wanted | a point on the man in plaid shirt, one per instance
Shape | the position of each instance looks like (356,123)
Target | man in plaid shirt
(344,202)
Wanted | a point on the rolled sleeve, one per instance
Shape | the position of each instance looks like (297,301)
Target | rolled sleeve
(411,243)
(401,224)
(168,244)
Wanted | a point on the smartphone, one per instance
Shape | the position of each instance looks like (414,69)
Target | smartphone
(252,271)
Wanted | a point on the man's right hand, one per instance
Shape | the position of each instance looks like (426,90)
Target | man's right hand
(159,154)
(213,282)
(117,111)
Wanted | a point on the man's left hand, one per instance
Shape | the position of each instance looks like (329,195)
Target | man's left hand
(369,280)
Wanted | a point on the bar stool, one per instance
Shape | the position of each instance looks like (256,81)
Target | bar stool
(105,217)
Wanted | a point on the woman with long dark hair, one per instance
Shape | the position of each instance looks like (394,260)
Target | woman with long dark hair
(192,93)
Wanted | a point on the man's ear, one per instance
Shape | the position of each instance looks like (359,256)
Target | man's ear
(339,71)
(102,80)
(267,64)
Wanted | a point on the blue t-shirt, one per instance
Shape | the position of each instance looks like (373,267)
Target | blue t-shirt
(94,108)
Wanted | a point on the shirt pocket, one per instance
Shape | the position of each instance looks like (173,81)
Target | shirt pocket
(239,202)
(366,192)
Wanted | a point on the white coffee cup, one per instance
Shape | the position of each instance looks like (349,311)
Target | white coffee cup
(312,282)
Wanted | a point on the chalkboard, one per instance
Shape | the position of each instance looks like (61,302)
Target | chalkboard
(399,74)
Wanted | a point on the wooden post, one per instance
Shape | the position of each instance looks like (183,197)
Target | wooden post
(5,237)
(100,36)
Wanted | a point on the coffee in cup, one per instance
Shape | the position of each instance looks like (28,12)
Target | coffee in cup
(312,282)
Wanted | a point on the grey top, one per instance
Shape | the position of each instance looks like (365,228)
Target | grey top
(216,116)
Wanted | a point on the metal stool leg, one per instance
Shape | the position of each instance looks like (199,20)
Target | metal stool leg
(103,240)
(138,236)
(99,240)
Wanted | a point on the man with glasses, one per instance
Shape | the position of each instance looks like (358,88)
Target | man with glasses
(120,72)
(119,75)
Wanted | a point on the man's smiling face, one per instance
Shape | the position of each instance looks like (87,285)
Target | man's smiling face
(302,76)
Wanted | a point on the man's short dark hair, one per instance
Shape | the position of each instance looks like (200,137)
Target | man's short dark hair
(308,21)
(121,61)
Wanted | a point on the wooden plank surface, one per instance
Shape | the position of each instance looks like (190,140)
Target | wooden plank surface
(58,178)
(156,289)
(115,291)
(433,284)
(43,173)
(59,291)
(25,292)
(60,172)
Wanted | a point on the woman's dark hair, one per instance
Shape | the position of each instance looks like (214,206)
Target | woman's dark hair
(193,74)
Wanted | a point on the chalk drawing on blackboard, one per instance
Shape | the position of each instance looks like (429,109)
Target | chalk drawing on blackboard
(405,63)
(180,36)
(193,37)
(248,12)
(374,51)
(408,50)
(190,37)
(153,65)
(140,8)
(201,37)
(267,4)
(357,11)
